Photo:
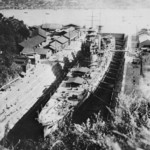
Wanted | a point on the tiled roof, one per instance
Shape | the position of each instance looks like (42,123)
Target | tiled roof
(46,43)
(32,42)
(70,29)
(28,51)
(62,39)
(71,35)
(42,32)
(51,47)
(72,25)
(55,44)
(51,26)
(42,51)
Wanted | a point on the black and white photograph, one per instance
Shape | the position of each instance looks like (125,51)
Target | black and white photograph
(74,74)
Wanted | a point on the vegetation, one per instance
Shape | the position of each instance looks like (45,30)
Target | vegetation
(12,32)
(128,128)
(66,64)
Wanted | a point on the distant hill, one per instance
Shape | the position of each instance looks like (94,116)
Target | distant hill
(102,3)
(87,4)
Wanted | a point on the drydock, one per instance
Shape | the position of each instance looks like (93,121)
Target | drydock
(19,102)
(94,82)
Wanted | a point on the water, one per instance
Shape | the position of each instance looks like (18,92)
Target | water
(113,20)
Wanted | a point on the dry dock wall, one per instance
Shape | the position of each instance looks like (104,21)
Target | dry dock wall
(107,90)
(37,107)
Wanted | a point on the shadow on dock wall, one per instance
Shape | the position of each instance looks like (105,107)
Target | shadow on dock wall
(28,126)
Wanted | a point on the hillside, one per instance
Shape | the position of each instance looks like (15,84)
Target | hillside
(85,4)
(12,32)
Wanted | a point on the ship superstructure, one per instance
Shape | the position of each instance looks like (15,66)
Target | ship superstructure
(78,85)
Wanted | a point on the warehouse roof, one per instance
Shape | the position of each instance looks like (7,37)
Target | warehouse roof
(26,51)
(42,51)
(42,32)
(62,39)
(32,42)
(55,44)
(51,26)
(71,35)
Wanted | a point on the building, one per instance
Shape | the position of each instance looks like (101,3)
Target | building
(76,27)
(69,29)
(28,51)
(63,41)
(143,31)
(51,27)
(32,42)
(59,33)
(23,61)
(72,27)
(91,34)
(33,31)
(71,35)
(55,46)
(31,54)
(43,53)
(80,71)
(74,82)
(144,40)
(34,59)
(43,33)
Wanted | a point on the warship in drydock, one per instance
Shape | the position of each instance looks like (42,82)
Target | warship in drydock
(80,82)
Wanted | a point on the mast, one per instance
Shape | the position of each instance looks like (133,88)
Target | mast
(92,20)
(99,28)
(99,37)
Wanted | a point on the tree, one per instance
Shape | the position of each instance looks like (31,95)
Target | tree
(66,64)
(12,31)
(1,16)
(57,70)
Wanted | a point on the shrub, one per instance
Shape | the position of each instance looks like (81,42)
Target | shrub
(129,128)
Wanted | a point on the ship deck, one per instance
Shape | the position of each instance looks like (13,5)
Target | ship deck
(58,106)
